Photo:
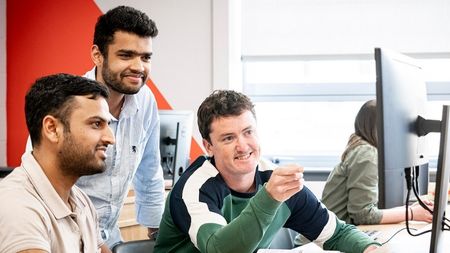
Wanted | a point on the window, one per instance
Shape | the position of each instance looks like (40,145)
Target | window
(306,105)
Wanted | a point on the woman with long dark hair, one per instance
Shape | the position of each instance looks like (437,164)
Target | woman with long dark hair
(351,190)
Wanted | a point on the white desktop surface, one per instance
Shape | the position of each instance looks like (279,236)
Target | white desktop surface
(400,243)
(403,242)
(307,248)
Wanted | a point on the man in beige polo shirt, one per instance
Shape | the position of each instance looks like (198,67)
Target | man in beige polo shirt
(42,211)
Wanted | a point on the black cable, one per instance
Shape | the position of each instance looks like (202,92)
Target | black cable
(415,187)
(392,236)
(445,224)
(167,164)
(416,177)
(409,185)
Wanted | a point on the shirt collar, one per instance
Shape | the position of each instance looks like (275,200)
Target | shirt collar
(44,188)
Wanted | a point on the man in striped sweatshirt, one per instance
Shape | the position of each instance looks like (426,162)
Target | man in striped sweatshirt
(234,201)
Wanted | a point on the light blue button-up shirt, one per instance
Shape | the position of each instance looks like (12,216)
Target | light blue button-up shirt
(134,157)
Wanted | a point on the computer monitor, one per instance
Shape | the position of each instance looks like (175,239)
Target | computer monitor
(175,142)
(442,179)
(401,98)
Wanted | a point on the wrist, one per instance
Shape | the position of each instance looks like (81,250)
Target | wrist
(152,233)
(412,214)
(371,248)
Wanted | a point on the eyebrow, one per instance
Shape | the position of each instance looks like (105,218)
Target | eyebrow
(133,52)
(100,118)
(225,135)
(229,134)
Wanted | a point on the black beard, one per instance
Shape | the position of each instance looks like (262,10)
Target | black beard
(115,84)
(74,161)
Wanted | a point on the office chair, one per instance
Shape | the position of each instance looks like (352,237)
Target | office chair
(140,246)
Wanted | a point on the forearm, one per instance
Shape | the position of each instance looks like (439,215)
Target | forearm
(347,238)
(244,233)
(104,249)
(149,184)
(394,215)
(152,233)
(149,207)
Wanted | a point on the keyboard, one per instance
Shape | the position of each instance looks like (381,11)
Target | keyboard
(374,234)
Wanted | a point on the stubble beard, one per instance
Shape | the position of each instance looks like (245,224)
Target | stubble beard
(116,84)
(76,161)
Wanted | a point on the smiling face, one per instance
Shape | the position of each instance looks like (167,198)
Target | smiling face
(83,148)
(234,145)
(126,67)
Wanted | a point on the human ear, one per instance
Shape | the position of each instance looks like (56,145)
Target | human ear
(208,147)
(96,56)
(51,129)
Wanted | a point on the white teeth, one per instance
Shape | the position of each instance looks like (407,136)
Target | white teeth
(243,157)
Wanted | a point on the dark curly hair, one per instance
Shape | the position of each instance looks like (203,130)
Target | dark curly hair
(53,95)
(122,18)
(221,103)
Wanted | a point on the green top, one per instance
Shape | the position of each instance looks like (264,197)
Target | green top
(203,215)
(351,190)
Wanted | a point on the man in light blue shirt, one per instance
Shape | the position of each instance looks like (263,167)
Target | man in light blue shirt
(121,53)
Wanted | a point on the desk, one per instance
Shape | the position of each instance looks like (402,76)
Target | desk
(129,228)
(403,242)
(400,243)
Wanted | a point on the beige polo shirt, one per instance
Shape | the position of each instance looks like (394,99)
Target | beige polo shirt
(33,216)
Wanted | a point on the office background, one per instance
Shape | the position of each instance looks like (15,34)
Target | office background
(290,56)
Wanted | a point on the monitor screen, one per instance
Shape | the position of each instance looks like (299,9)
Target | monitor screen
(175,142)
(401,98)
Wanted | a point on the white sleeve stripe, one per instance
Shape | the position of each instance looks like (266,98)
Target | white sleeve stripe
(197,210)
(327,231)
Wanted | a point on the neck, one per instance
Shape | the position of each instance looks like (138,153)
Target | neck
(115,103)
(60,182)
(242,184)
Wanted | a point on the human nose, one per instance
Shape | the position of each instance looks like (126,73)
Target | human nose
(241,144)
(138,64)
(108,136)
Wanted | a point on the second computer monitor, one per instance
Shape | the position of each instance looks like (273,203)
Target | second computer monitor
(401,98)
(175,142)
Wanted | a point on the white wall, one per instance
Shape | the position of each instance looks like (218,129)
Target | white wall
(278,27)
(191,52)
(182,51)
(2,82)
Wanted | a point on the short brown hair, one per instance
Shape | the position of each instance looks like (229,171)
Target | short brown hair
(221,103)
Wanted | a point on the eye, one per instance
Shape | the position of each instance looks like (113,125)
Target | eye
(228,138)
(96,124)
(146,58)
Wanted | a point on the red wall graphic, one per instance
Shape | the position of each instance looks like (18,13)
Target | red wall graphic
(46,37)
